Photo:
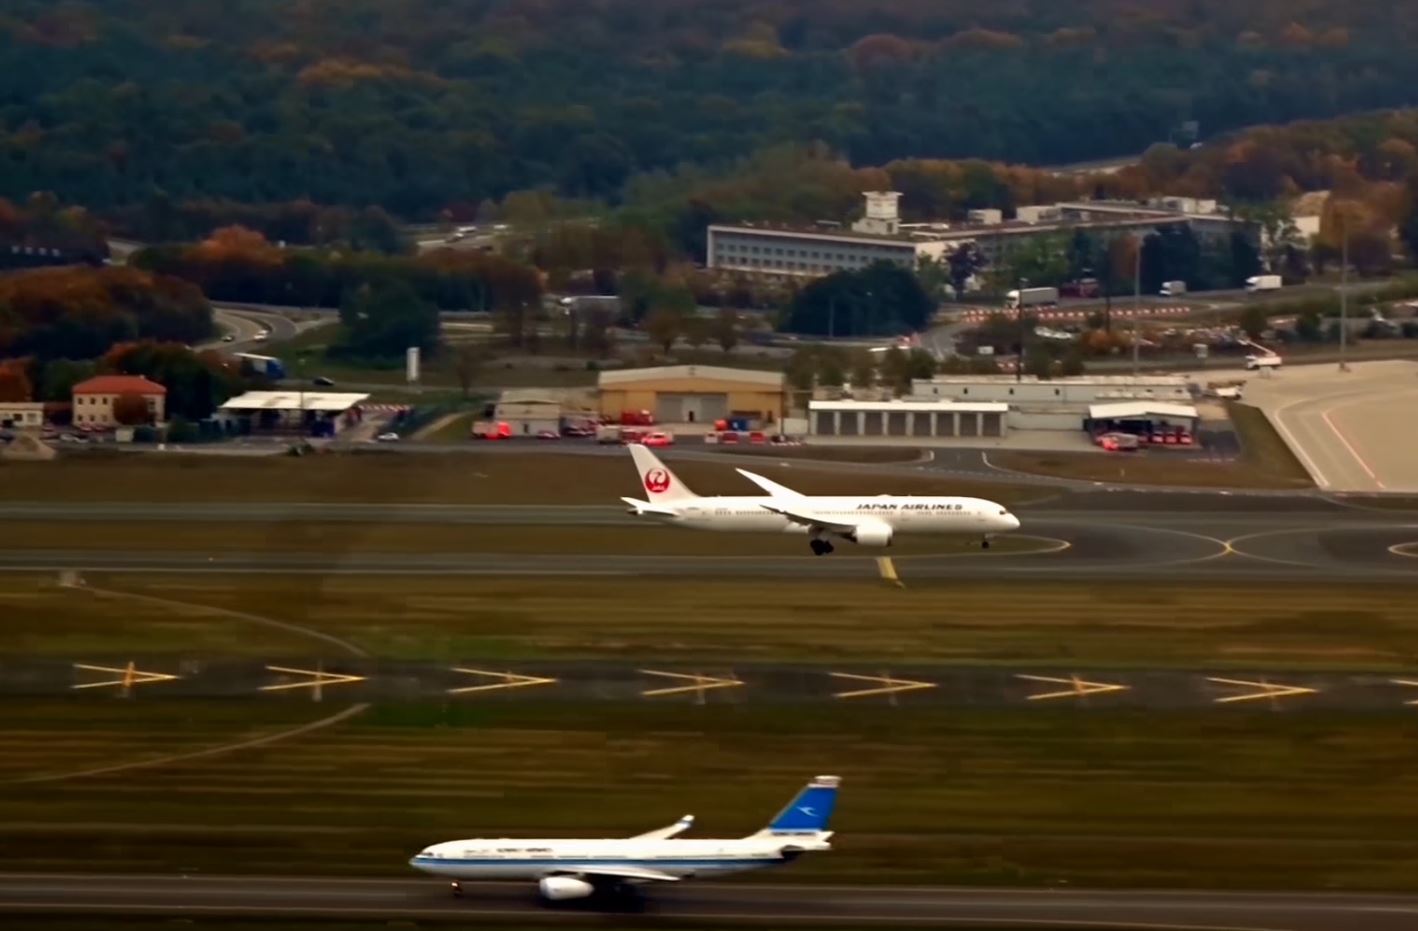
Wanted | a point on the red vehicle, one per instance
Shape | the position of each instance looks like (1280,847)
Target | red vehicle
(757,436)
(728,437)
(658,438)
(637,418)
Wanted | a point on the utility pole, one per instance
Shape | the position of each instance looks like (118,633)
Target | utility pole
(1136,302)
(1019,316)
(1343,294)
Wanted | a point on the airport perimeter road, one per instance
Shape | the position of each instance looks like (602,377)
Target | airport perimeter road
(291,897)
(1349,429)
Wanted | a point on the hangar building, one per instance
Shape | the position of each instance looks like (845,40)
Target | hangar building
(693,394)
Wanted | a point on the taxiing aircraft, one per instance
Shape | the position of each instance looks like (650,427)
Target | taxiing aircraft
(574,869)
(864,520)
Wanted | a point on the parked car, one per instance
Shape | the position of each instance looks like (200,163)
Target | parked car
(228,338)
(548,435)
(387,438)
(658,438)
(322,381)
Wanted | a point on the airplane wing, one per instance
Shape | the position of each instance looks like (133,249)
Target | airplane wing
(679,827)
(808,519)
(654,510)
(624,873)
(768,485)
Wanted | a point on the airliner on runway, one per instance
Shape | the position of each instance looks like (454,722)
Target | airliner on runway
(867,521)
(575,869)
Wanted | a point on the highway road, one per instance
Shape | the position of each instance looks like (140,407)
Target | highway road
(1284,539)
(389,899)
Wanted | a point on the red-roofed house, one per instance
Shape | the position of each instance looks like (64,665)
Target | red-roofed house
(94,399)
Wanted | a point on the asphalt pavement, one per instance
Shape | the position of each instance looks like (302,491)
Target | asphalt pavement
(723,902)
(1202,538)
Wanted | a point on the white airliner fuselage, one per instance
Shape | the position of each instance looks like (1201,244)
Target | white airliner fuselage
(570,868)
(869,521)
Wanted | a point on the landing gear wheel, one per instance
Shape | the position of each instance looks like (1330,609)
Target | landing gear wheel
(827,547)
(457,889)
(985,543)
(818,546)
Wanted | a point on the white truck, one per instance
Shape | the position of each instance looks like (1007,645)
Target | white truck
(1031,297)
(1263,283)
(1266,361)
(1173,288)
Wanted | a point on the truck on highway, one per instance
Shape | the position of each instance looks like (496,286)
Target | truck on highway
(1263,283)
(265,366)
(1173,288)
(1032,297)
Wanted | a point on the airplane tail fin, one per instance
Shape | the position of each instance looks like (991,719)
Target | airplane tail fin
(661,485)
(808,814)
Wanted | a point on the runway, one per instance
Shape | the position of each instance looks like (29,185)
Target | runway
(1202,537)
(294,897)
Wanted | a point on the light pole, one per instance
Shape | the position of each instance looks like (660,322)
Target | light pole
(1136,302)
(1019,315)
(1343,295)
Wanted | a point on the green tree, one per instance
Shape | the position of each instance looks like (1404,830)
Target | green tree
(382,321)
(882,299)
(1254,321)
(863,368)
(965,261)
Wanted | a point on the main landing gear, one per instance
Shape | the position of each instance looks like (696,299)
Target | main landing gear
(985,543)
(819,546)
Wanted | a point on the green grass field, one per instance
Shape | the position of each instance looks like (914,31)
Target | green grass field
(478,477)
(1088,625)
(929,797)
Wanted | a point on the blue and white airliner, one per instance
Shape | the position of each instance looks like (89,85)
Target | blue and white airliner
(570,868)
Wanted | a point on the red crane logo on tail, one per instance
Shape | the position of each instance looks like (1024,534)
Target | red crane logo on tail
(657,481)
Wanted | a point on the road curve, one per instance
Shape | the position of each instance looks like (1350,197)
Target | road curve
(293,897)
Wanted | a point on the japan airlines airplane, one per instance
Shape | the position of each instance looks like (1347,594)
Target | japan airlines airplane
(867,521)
(577,869)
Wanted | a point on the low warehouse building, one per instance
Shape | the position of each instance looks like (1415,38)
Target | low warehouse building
(1056,403)
(1143,417)
(693,394)
(311,413)
(918,420)
(528,412)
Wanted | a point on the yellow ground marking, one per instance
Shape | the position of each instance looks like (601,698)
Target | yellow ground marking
(510,680)
(128,676)
(887,568)
(318,679)
(887,686)
(1077,687)
(1409,549)
(1266,690)
(698,683)
(1406,682)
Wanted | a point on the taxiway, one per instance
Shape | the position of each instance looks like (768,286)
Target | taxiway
(295,897)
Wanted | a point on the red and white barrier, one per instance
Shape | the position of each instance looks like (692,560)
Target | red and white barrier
(980,316)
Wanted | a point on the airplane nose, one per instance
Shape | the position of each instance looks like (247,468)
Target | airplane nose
(1012,521)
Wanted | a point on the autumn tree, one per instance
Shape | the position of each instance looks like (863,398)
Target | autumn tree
(726,329)
(468,360)
(131,410)
(664,325)
(15,383)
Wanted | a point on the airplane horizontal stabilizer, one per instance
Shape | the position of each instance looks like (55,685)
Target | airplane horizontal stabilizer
(645,507)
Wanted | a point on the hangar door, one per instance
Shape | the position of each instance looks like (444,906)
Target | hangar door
(691,408)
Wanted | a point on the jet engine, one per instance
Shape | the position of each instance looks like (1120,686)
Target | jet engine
(556,888)
(874,533)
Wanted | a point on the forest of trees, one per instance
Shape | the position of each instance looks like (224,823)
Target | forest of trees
(237,264)
(421,106)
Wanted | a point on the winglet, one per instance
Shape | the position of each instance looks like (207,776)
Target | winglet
(679,827)
(768,485)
